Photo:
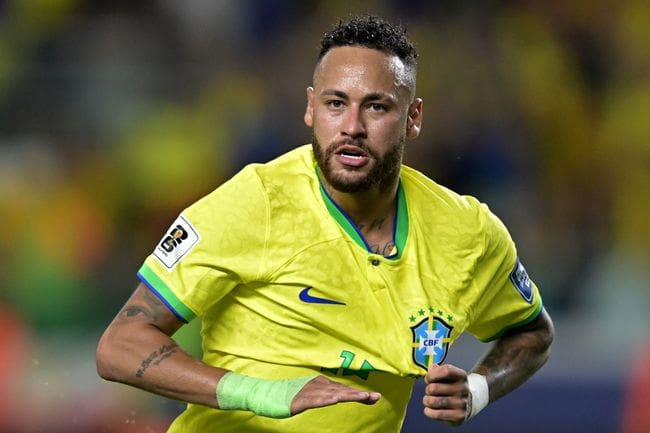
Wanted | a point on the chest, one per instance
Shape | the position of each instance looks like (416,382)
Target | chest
(351,307)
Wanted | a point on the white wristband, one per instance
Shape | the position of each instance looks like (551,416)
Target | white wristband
(479,394)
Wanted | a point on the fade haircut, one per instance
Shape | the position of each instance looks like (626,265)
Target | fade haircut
(371,32)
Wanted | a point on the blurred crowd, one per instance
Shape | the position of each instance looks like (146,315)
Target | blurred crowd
(114,115)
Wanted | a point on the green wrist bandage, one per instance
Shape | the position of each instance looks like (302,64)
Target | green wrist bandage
(271,398)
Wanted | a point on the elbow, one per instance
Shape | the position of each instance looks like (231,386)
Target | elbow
(549,330)
(103,357)
(545,334)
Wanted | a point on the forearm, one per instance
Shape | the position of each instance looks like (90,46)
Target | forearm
(137,349)
(155,363)
(146,358)
(516,357)
(453,396)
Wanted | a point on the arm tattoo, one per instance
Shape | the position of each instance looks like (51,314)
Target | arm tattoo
(156,357)
(149,310)
(513,359)
(132,311)
(152,299)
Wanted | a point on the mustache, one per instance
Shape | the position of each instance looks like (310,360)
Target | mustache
(350,142)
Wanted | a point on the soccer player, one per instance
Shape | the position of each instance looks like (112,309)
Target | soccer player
(331,278)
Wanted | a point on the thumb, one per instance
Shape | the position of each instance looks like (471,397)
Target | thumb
(428,378)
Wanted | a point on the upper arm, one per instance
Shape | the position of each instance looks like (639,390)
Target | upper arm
(144,324)
(541,328)
(506,297)
(214,245)
(144,307)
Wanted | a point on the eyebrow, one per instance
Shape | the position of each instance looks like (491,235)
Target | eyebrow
(374,96)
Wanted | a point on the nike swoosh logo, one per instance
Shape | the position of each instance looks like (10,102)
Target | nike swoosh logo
(306,297)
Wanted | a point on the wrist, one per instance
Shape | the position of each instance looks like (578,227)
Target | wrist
(270,398)
(479,394)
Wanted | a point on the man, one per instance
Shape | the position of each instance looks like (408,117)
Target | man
(333,275)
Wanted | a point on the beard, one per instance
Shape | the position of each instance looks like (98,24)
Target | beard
(382,173)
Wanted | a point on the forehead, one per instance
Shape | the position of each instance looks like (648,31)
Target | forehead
(367,69)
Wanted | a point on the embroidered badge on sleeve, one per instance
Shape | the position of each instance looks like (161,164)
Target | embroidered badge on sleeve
(179,240)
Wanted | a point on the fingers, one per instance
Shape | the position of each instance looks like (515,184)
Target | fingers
(341,394)
(452,409)
(336,392)
(440,403)
(445,373)
(446,389)
(446,381)
(446,394)
(453,417)
(322,392)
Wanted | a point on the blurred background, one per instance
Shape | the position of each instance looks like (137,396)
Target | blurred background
(115,115)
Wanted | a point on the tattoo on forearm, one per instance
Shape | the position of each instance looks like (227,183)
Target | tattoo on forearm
(512,361)
(502,357)
(156,357)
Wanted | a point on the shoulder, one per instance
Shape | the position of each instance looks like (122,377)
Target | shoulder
(252,185)
(424,192)
(299,161)
(447,215)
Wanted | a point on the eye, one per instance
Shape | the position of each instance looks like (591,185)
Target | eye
(334,103)
(377,107)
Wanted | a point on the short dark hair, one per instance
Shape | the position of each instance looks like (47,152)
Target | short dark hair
(371,32)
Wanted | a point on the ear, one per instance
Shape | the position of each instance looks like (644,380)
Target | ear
(309,111)
(414,120)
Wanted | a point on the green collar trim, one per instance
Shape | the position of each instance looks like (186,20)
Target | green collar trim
(400,229)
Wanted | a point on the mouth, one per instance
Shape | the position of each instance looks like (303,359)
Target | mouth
(351,156)
(351,151)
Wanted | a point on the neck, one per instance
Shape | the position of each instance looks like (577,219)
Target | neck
(370,210)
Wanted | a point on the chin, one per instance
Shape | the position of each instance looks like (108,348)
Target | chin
(349,184)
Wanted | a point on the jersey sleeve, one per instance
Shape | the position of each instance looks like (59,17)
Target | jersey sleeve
(213,245)
(507,297)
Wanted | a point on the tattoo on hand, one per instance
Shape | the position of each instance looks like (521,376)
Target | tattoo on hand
(156,357)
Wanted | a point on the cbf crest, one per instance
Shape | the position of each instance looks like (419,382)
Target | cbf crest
(431,338)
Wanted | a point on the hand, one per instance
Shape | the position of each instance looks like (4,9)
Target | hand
(321,392)
(446,395)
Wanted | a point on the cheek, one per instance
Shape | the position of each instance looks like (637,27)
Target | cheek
(388,129)
(324,125)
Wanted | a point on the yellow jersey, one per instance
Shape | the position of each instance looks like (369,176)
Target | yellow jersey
(285,286)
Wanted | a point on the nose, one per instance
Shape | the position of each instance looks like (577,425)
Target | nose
(353,123)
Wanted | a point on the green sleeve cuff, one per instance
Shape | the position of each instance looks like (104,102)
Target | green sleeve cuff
(166,295)
(530,318)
